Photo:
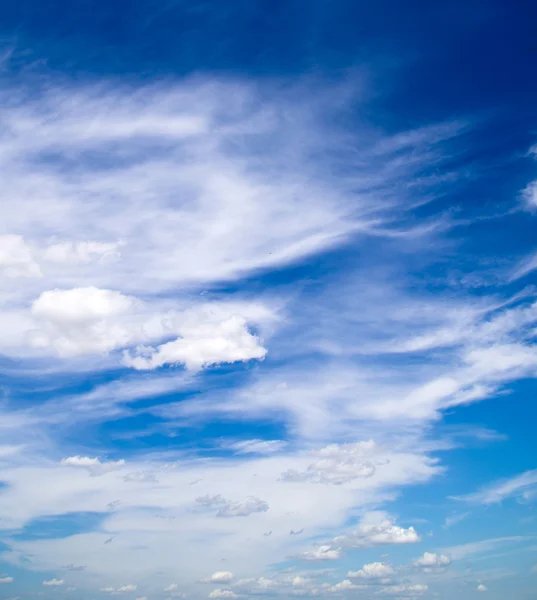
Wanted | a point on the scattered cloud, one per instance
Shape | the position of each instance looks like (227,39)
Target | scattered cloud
(219,577)
(324,552)
(218,593)
(6,579)
(375,570)
(482,588)
(376,529)
(431,560)
(54,582)
(337,464)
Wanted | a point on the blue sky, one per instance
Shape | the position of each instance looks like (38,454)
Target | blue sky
(267,278)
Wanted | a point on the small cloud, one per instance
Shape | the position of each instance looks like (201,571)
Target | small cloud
(431,560)
(219,577)
(325,552)
(222,594)
(171,588)
(130,587)
(6,579)
(93,464)
(482,588)
(375,570)
(54,582)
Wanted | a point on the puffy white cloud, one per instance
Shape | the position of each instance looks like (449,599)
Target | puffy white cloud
(80,321)
(374,570)
(80,252)
(213,343)
(258,446)
(6,579)
(92,464)
(173,587)
(219,593)
(80,305)
(431,560)
(324,552)
(375,530)
(54,582)
(243,508)
(482,588)
(337,464)
(16,257)
(219,577)
(344,586)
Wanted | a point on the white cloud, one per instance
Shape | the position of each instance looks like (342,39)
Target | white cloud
(243,508)
(482,588)
(344,586)
(500,490)
(222,594)
(431,560)
(54,582)
(219,577)
(376,529)
(337,464)
(258,446)
(130,587)
(92,464)
(225,342)
(324,552)
(375,570)
(404,589)
(80,321)
(16,257)
(173,587)
(6,579)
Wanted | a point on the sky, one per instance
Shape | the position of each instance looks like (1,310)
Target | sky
(268,300)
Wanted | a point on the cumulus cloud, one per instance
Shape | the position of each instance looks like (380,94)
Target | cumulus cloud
(130,587)
(219,593)
(482,588)
(219,577)
(54,582)
(80,321)
(430,560)
(337,464)
(324,552)
(92,464)
(344,586)
(6,579)
(375,530)
(225,342)
(173,587)
(375,570)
